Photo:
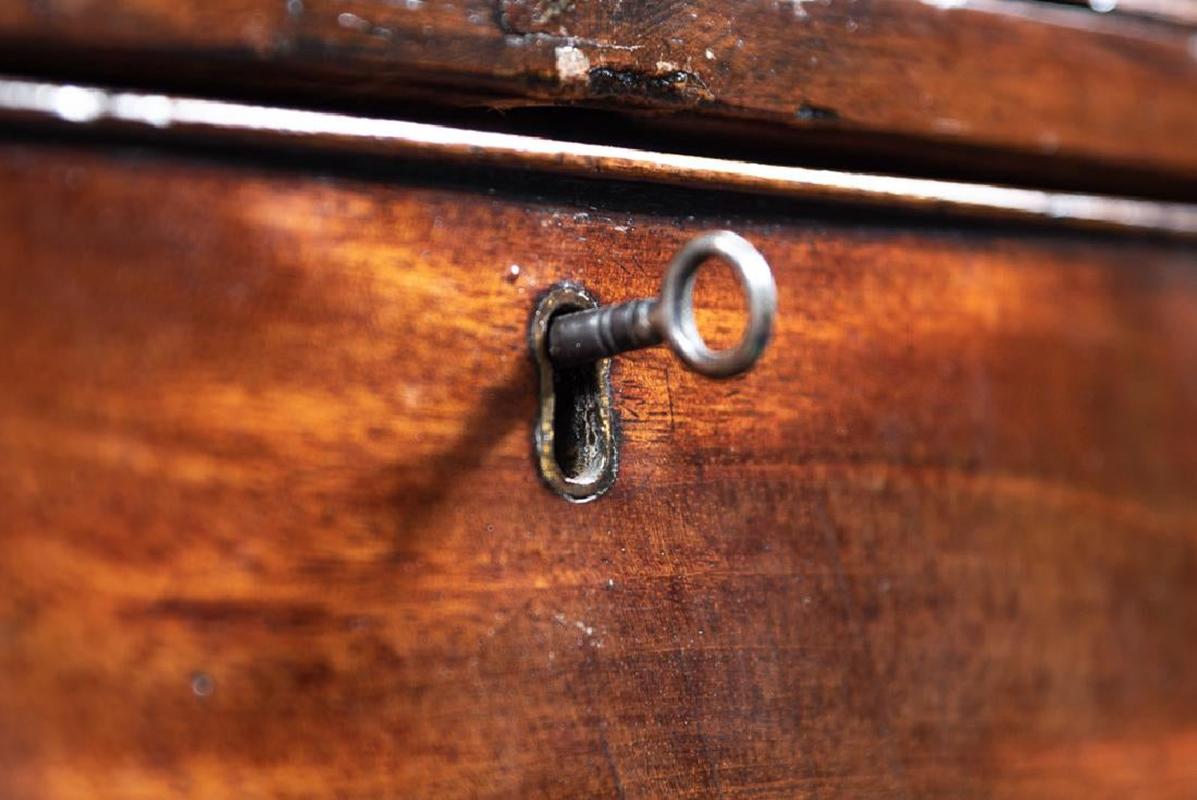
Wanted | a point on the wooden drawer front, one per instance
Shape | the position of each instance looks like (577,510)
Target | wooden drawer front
(271,524)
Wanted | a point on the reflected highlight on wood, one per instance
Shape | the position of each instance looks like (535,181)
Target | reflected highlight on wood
(84,109)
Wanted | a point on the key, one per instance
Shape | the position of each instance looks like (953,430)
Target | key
(582,337)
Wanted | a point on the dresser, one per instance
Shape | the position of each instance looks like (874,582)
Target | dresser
(277,514)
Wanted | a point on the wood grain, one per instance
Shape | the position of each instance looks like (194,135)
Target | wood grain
(271,525)
(1022,77)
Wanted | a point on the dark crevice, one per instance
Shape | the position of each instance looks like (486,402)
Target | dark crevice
(576,423)
(827,141)
(673,87)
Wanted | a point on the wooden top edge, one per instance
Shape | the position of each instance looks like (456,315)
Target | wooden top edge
(1021,77)
(83,107)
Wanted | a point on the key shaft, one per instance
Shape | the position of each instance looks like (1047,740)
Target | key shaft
(582,337)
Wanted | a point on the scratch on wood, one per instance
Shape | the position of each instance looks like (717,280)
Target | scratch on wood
(669,398)
(605,744)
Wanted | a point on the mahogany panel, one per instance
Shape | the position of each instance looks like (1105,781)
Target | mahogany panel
(1025,77)
(271,525)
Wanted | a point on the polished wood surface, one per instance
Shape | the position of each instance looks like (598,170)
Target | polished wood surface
(1030,78)
(271,526)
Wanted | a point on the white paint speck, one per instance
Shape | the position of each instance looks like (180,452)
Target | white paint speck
(710,54)
(796,7)
(572,64)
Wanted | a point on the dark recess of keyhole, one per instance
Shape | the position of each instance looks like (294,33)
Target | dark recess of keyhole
(576,418)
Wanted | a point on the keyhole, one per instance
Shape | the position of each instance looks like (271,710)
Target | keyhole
(576,445)
(576,421)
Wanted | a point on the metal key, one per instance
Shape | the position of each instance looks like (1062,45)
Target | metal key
(582,337)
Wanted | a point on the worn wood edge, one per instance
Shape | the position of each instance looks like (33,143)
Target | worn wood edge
(89,107)
(1021,77)
(1181,13)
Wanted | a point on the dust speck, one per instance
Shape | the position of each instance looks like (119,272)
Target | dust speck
(353,22)
(202,684)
